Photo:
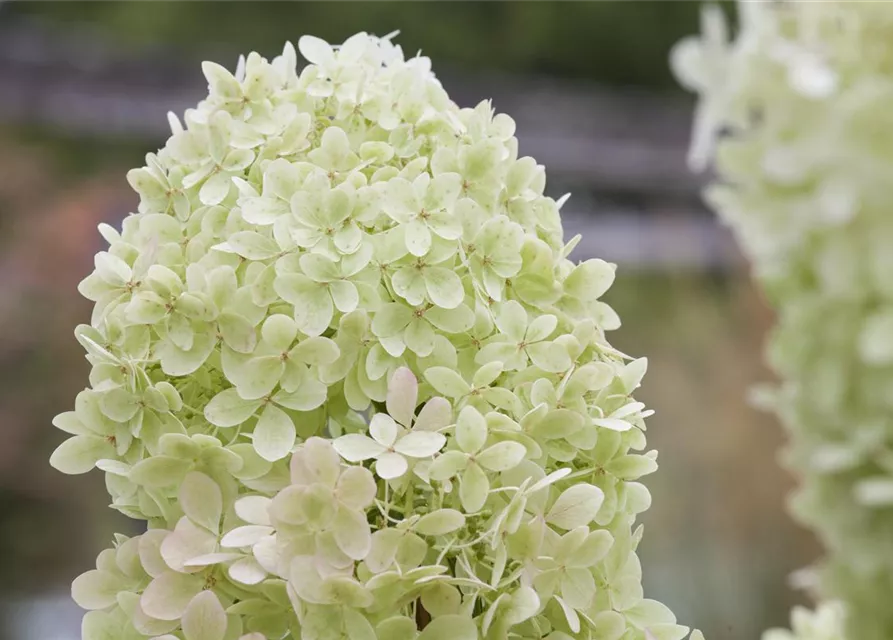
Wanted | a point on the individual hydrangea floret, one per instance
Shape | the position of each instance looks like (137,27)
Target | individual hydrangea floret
(795,112)
(347,374)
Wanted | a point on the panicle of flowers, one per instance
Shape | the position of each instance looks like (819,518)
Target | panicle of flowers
(345,370)
(794,111)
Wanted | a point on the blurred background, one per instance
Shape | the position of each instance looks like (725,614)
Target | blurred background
(84,88)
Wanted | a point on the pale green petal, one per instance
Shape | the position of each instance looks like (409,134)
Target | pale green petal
(229,409)
(502,456)
(352,532)
(356,488)
(274,434)
(473,488)
(512,320)
(309,395)
(435,415)
(576,506)
(447,382)
(79,454)
(259,376)
(315,350)
(541,328)
(391,319)
(97,589)
(444,287)
(409,284)
(355,447)
(179,362)
(419,337)
(187,542)
(471,430)
(215,189)
(312,302)
(418,238)
(420,444)
(447,465)
(252,245)
(590,279)
(204,618)
(279,331)
(262,210)
(440,522)
(160,471)
(390,465)
(450,627)
(168,595)
(345,295)
(549,356)
(201,500)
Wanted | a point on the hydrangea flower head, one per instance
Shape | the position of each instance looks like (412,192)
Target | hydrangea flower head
(795,111)
(346,372)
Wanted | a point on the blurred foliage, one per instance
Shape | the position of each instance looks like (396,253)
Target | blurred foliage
(617,43)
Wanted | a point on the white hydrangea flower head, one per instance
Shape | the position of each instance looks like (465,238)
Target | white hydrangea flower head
(795,112)
(346,372)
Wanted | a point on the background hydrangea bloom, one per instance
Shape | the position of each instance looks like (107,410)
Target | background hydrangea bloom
(346,372)
(795,110)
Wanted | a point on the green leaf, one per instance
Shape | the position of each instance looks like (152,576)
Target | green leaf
(576,506)
(440,522)
(274,434)
(229,409)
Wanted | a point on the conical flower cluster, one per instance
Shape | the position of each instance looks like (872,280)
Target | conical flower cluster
(800,104)
(345,370)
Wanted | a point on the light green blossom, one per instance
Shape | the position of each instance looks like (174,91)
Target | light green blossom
(794,111)
(344,369)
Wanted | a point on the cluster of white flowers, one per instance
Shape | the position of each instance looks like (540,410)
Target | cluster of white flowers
(797,107)
(344,368)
